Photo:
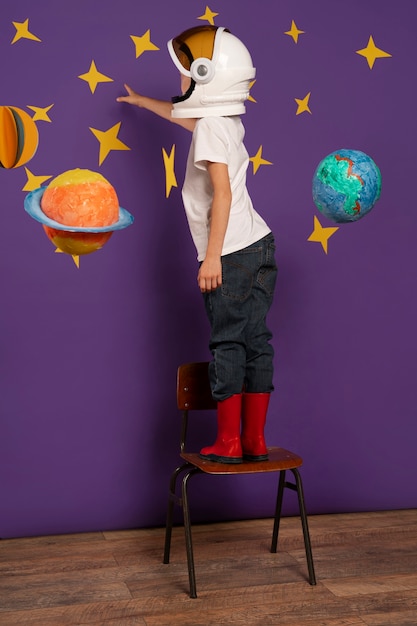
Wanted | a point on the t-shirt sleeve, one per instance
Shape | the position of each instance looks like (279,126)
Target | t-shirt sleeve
(210,143)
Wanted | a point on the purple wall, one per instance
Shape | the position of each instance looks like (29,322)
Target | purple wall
(89,355)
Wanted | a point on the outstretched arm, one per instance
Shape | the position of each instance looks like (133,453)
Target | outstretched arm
(159,107)
(210,273)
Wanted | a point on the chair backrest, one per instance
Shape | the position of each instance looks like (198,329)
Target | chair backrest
(193,387)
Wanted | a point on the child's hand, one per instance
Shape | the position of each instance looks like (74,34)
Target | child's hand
(159,107)
(132,98)
(210,275)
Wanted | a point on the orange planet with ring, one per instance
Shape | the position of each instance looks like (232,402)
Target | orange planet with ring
(79,211)
(80,198)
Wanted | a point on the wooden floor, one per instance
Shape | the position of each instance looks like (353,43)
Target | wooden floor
(366,566)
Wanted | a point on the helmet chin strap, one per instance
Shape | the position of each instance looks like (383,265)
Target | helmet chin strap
(186,95)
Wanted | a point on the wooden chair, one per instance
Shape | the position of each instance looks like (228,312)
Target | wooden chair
(194,394)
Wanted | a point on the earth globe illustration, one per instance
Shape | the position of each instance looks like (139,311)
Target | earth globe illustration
(346,185)
(79,211)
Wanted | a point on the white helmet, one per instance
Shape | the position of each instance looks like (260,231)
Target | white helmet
(220,68)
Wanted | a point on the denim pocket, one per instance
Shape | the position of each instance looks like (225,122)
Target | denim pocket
(238,271)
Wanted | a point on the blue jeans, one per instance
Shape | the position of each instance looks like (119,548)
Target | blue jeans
(239,339)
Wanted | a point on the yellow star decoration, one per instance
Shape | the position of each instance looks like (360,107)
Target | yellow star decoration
(209,15)
(294,32)
(143,43)
(108,141)
(303,104)
(251,84)
(34,182)
(22,31)
(257,160)
(75,257)
(371,52)
(93,77)
(322,235)
(170,179)
(41,114)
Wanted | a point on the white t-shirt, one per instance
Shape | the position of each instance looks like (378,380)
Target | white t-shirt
(220,140)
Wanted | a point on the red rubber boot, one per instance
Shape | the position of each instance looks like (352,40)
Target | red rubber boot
(254,410)
(227,447)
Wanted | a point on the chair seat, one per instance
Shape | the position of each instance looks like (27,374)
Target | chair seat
(279,459)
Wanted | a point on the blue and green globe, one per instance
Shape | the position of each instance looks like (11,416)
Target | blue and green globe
(346,185)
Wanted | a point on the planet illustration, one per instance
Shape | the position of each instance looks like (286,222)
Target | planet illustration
(79,211)
(346,185)
(18,137)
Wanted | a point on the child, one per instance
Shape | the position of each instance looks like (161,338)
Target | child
(235,246)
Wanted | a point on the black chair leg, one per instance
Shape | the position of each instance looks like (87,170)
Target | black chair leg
(278,508)
(298,487)
(187,530)
(172,500)
(304,522)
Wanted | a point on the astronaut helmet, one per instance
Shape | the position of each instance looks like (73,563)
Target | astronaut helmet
(220,69)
